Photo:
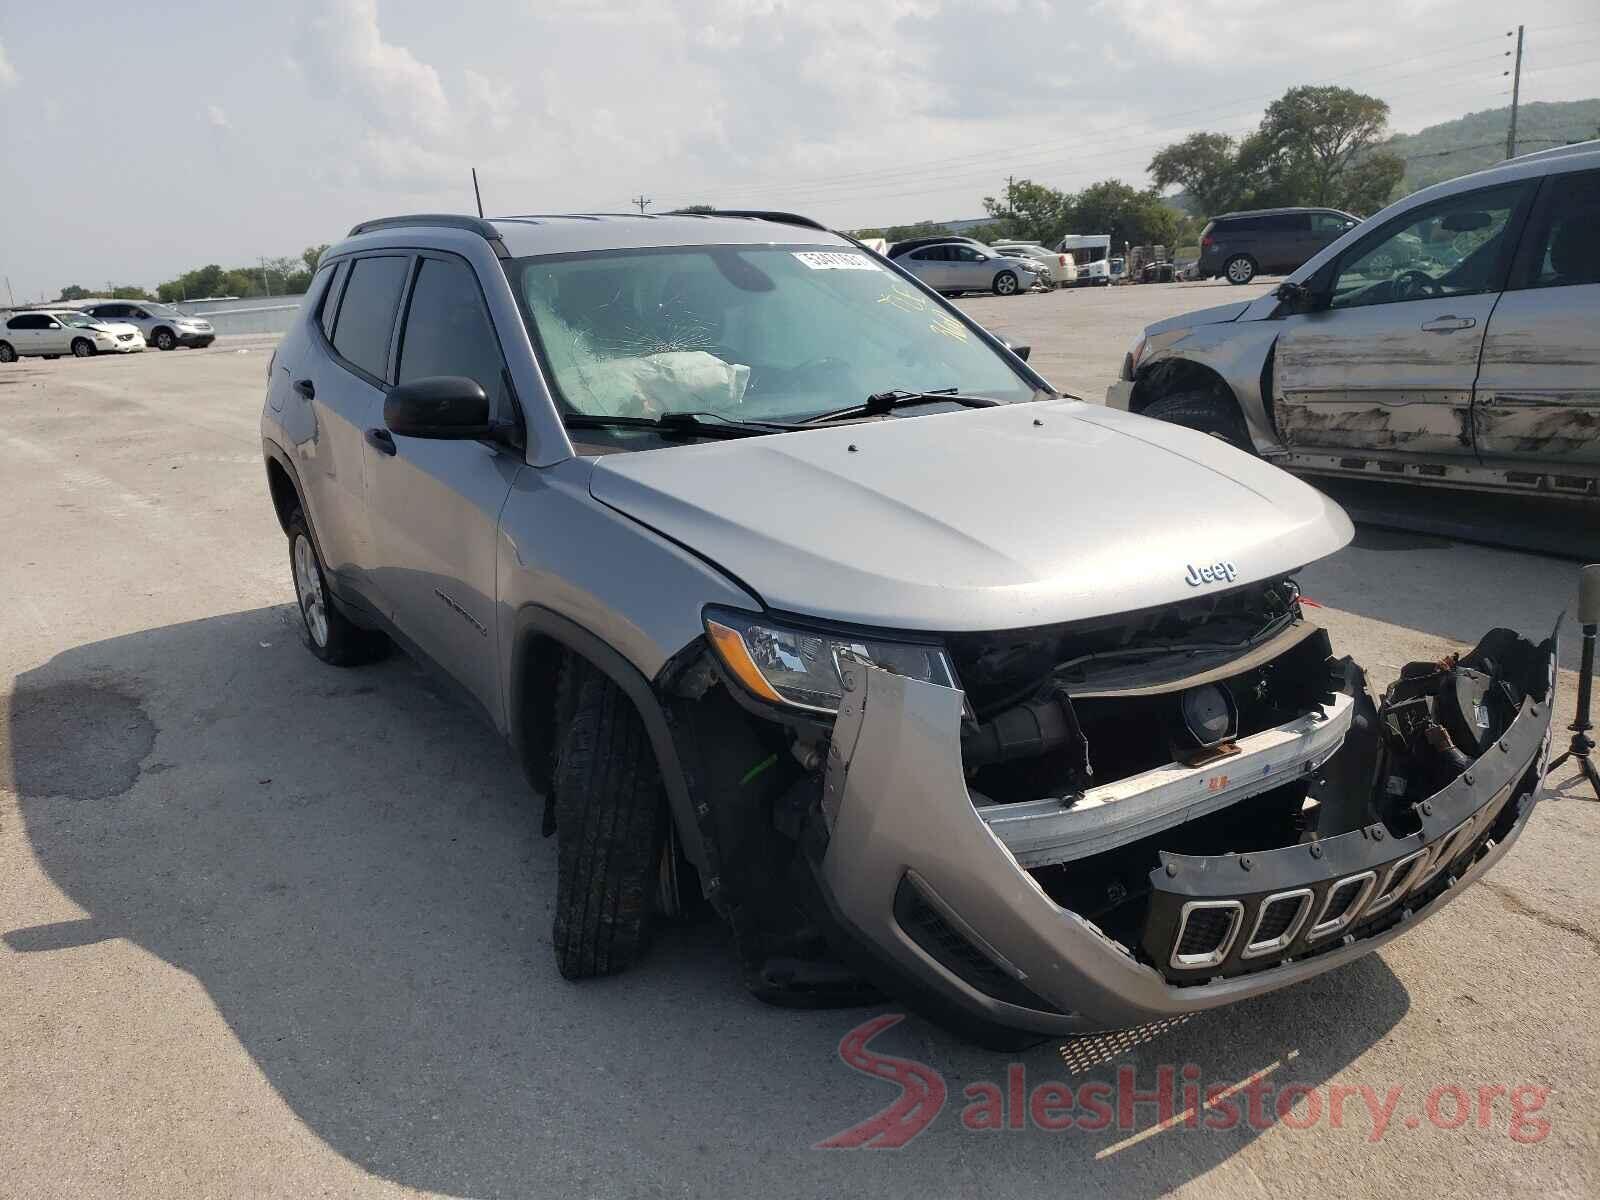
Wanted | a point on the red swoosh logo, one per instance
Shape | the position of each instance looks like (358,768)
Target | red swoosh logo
(922,1092)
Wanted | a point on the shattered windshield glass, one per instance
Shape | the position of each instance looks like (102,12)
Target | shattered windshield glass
(748,332)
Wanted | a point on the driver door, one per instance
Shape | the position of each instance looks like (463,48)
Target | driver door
(1388,359)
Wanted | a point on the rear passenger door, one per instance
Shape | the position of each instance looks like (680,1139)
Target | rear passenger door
(342,377)
(1538,394)
(435,505)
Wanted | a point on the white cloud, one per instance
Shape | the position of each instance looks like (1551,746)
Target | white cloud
(8,74)
(342,51)
(216,116)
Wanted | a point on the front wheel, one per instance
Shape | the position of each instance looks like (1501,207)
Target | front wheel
(165,340)
(611,828)
(1241,268)
(1005,284)
(82,348)
(1206,412)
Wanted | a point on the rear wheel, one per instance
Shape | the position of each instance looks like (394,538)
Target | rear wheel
(611,825)
(330,635)
(8,353)
(1241,268)
(82,348)
(1005,284)
(1207,412)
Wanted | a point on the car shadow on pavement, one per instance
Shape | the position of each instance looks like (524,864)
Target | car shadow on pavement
(350,864)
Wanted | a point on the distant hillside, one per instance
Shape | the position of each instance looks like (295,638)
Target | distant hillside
(1478,140)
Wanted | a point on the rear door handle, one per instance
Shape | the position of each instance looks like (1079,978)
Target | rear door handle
(306,388)
(381,440)
(1449,324)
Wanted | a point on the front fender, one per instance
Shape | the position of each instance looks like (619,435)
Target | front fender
(1237,352)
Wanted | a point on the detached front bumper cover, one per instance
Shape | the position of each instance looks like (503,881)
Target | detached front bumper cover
(908,851)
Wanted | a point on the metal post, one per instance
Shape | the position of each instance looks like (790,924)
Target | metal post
(1516,95)
(476,194)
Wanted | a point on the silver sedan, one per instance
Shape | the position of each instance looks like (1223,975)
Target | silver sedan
(962,267)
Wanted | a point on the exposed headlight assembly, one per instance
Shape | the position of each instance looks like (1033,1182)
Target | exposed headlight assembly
(802,668)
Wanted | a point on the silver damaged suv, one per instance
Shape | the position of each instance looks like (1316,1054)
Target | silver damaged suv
(801,598)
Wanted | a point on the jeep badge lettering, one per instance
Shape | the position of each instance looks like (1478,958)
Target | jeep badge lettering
(1215,573)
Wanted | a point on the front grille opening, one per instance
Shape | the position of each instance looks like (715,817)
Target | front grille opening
(1277,918)
(1340,902)
(1205,932)
(924,925)
(1113,889)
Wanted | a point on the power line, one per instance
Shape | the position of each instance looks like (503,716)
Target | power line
(1111,133)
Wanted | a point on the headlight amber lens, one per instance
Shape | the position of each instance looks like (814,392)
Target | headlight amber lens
(801,668)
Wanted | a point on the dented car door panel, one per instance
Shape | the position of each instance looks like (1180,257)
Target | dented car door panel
(1538,395)
(1385,377)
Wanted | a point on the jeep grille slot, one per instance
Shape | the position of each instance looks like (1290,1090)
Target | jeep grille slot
(1205,932)
(1344,902)
(1277,922)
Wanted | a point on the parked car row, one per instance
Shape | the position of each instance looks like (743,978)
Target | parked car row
(110,327)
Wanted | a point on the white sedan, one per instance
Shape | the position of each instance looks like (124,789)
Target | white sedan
(51,333)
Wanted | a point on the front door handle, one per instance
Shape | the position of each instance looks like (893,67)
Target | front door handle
(306,388)
(381,440)
(1449,324)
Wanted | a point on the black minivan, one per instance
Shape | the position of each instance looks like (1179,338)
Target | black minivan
(1242,245)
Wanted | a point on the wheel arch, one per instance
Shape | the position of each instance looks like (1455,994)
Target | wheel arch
(1169,376)
(541,640)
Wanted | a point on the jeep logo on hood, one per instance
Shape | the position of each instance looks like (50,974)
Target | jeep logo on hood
(1214,573)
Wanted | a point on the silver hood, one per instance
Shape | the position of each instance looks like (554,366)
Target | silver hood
(1218,315)
(998,518)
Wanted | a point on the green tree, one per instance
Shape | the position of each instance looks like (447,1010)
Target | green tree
(128,291)
(311,254)
(1126,213)
(73,292)
(698,208)
(1370,183)
(1313,146)
(1203,165)
(1029,210)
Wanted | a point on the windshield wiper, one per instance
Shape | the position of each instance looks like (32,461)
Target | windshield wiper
(880,403)
(691,424)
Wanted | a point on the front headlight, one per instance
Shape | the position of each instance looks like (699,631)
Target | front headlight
(802,668)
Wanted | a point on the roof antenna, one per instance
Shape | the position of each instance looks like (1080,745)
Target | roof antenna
(476,193)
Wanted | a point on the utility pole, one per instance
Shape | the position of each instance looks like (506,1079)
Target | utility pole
(642,201)
(1516,90)
(10,293)
(476,194)
(266,288)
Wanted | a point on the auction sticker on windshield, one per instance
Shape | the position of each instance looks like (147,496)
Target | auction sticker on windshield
(835,260)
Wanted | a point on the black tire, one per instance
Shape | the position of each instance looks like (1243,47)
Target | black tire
(1207,412)
(1005,284)
(50,357)
(165,339)
(82,348)
(611,825)
(8,353)
(329,634)
(1241,268)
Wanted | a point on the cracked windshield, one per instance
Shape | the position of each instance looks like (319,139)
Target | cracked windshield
(747,333)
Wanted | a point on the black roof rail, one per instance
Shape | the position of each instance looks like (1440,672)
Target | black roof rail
(759,214)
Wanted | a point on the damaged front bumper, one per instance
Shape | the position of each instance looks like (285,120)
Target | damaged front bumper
(940,885)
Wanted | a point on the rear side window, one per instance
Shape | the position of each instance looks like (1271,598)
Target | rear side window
(447,330)
(26,322)
(366,314)
(1565,236)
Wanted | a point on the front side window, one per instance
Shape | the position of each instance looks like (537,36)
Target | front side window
(366,314)
(967,254)
(750,332)
(1565,237)
(1330,223)
(447,330)
(1453,247)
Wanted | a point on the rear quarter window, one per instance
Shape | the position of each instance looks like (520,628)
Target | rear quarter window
(365,321)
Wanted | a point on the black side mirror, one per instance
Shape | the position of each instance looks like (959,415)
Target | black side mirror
(449,407)
(1297,296)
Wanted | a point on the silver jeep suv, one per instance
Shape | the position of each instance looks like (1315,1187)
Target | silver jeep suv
(799,594)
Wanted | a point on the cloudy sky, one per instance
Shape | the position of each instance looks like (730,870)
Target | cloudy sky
(136,147)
